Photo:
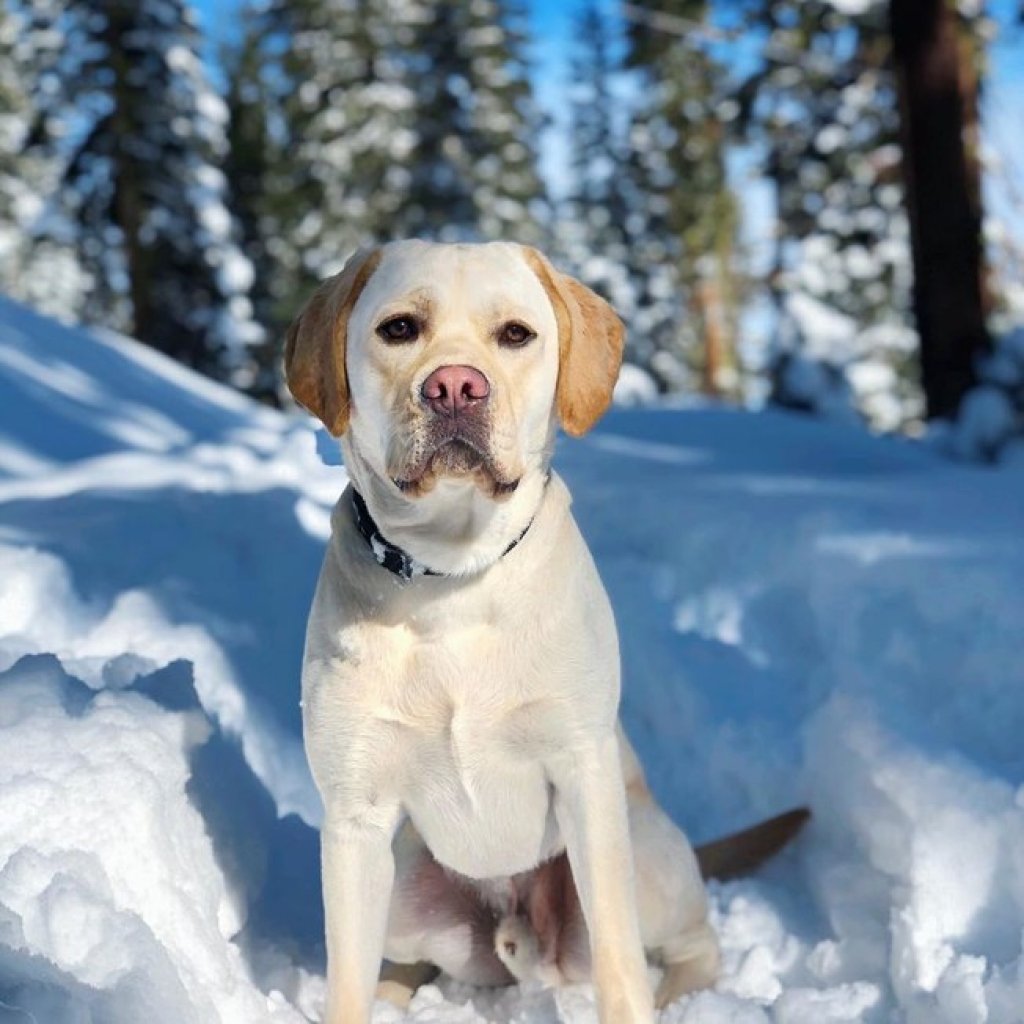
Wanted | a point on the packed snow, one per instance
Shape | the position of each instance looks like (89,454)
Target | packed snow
(808,615)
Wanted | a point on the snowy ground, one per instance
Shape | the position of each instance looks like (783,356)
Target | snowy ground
(808,614)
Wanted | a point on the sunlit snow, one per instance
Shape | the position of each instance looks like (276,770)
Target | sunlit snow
(807,613)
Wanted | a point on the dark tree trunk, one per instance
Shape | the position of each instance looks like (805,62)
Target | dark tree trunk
(128,205)
(942,197)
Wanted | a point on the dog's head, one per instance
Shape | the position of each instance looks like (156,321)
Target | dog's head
(453,361)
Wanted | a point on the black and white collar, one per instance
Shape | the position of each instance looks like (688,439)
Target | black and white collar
(392,557)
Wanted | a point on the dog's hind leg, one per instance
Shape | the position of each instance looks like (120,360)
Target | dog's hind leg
(437,918)
(690,961)
(672,903)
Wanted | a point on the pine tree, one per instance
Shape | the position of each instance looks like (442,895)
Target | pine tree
(349,122)
(595,140)
(14,118)
(504,124)
(474,163)
(15,123)
(253,154)
(822,107)
(144,132)
(592,234)
(399,118)
(37,261)
(684,217)
(440,202)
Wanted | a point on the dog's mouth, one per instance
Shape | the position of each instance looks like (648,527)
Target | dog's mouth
(457,457)
(458,449)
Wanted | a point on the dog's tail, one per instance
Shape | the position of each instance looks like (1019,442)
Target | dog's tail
(744,852)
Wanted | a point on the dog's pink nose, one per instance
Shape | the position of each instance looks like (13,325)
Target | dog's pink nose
(450,390)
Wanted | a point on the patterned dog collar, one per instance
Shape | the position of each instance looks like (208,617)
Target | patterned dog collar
(392,557)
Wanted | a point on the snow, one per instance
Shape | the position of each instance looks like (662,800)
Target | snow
(808,614)
(990,421)
(830,365)
(635,386)
(123,907)
(826,330)
(986,420)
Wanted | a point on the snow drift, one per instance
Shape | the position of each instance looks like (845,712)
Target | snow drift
(807,614)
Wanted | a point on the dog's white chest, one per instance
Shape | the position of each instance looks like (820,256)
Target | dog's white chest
(472,740)
(482,805)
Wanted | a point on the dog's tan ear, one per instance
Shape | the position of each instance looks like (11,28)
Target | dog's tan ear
(314,351)
(590,341)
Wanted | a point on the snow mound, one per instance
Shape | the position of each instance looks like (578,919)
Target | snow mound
(990,421)
(112,901)
(132,474)
(807,613)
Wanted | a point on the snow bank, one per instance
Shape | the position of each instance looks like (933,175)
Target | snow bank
(132,473)
(807,614)
(941,839)
(154,823)
(112,903)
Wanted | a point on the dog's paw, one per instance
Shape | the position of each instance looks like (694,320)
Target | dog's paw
(517,947)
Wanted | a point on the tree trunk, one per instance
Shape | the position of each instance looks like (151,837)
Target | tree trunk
(711,316)
(128,208)
(942,198)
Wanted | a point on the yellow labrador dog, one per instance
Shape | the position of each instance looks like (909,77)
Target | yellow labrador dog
(483,810)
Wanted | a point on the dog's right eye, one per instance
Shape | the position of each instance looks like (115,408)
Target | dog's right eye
(399,328)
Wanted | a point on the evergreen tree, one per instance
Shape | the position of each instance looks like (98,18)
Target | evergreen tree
(253,154)
(592,235)
(440,201)
(390,118)
(508,194)
(14,118)
(683,220)
(595,147)
(349,126)
(822,107)
(474,163)
(37,261)
(143,134)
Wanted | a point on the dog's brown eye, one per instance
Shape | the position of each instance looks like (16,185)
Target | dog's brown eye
(515,334)
(399,328)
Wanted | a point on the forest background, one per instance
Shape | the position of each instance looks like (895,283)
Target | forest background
(813,202)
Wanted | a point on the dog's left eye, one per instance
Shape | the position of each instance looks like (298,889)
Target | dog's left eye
(399,328)
(515,334)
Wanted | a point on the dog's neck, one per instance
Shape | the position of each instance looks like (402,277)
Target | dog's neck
(455,529)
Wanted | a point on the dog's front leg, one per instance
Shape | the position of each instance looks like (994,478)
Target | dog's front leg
(358,873)
(590,805)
